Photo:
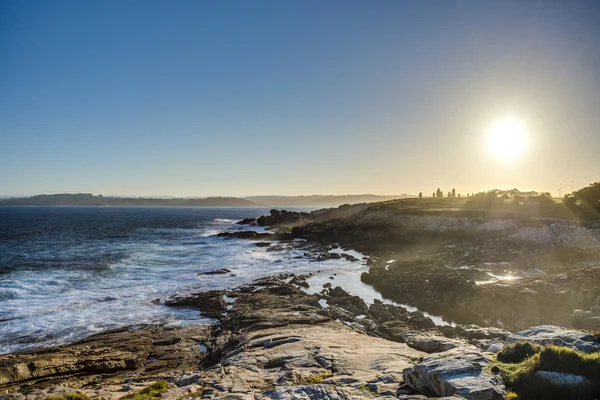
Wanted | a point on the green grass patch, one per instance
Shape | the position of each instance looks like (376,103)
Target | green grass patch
(152,392)
(314,379)
(520,377)
(564,359)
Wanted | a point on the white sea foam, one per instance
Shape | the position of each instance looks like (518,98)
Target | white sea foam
(42,307)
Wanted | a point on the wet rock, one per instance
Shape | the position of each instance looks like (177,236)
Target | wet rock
(349,257)
(555,335)
(221,271)
(299,281)
(262,244)
(247,221)
(461,375)
(354,304)
(210,304)
(244,235)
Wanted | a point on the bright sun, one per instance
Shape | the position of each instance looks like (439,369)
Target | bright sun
(507,139)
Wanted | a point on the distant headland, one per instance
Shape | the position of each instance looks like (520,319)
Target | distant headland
(90,200)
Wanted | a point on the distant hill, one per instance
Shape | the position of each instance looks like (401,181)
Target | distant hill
(322,200)
(86,199)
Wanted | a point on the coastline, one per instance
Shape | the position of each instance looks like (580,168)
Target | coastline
(263,343)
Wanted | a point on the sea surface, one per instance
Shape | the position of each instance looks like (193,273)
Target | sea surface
(68,272)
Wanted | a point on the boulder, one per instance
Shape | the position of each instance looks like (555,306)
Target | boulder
(576,318)
(555,335)
(495,346)
(561,378)
(461,375)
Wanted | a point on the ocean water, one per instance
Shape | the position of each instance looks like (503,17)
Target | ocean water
(68,272)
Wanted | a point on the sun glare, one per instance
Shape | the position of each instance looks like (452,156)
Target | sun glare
(507,139)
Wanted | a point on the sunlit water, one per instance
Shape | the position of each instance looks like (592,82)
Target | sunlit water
(66,273)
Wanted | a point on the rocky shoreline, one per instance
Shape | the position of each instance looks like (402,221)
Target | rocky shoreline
(507,273)
(273,340)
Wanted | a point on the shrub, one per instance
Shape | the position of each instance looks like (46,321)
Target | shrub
(152,392)
(534,387)
(517,352)
(520,377)
(564,359)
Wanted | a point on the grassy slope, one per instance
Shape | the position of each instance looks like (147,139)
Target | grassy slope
(460,206)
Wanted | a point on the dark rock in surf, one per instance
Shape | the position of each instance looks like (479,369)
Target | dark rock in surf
(247,221)
(221,271)
(243,235)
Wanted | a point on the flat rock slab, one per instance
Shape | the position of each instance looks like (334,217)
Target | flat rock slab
(321,392)
(433,344)
(561,378)
(555,335)
(461,375)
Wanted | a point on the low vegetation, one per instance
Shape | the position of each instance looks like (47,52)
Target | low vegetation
(524,384)
(585,202)
(517,352)
(156,390)
(69,396)
(314,379)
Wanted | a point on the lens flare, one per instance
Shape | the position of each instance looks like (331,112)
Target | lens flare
(507,139)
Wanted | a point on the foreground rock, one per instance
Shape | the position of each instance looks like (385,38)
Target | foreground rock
(463,375)
(105,359)
(272,341)
(561,378)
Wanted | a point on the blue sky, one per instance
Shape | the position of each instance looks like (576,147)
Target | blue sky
(198,98)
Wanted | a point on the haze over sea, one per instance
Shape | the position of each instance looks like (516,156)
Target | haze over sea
(68,272)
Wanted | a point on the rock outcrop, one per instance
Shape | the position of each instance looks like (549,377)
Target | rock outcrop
(463,374)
